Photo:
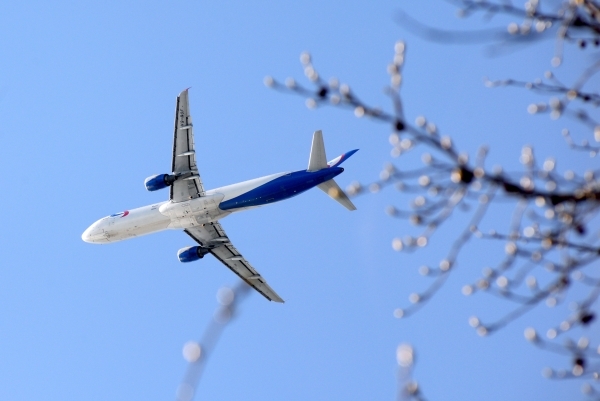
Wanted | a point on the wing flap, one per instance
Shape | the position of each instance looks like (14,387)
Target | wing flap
(230,257)
(189,185)
(226,253)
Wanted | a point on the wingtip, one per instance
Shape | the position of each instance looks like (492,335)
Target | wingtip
(277,299)
(184,91)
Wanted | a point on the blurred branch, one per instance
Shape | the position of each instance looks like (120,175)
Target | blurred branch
(197,353)
(408,388)
(552,241)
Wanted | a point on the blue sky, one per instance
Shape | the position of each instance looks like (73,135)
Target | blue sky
(87,93)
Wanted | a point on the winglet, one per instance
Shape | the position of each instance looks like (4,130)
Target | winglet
(317,160)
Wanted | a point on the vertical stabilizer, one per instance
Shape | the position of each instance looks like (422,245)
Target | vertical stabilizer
(317,160)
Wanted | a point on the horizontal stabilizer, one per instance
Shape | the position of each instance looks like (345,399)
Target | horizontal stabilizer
(318,160)
(332,189)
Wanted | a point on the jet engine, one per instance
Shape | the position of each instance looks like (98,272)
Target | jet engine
(191,253)
(159,181)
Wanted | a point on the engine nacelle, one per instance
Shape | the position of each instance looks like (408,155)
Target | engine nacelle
(191,253)
(159,181)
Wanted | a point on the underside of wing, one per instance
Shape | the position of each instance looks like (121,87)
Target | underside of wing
(188,184)
(213,236)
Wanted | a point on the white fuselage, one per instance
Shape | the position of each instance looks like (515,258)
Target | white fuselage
(169,215)
(214,205)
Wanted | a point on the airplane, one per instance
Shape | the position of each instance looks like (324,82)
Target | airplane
(197,211)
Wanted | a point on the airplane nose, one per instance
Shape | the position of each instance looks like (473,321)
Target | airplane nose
(93,234)
(86,235)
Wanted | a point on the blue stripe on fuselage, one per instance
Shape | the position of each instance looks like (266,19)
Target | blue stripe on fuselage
(281,188)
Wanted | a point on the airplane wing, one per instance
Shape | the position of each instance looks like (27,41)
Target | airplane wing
(213,235)
(189,184)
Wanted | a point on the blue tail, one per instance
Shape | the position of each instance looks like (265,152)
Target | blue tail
(341,158)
